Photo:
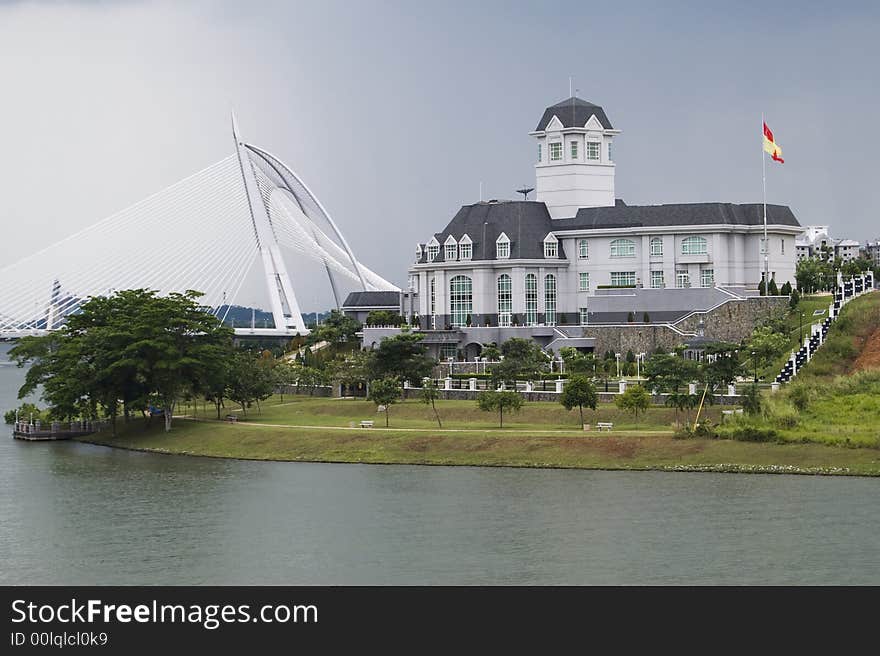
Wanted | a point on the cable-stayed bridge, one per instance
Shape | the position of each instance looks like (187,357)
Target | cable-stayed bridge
(205,232)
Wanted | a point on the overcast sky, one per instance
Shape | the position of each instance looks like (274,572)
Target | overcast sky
(394,112)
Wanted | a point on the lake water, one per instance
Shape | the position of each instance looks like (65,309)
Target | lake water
(80,514)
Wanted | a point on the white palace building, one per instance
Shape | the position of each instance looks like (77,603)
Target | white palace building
(578,256)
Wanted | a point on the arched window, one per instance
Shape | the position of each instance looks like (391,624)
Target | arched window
(550,299)
(583,249)
(531,299)
(656,246)
(461,300)
(623,248)
(693,246)
(505,299)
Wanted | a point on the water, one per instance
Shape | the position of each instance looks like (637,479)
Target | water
(79,514)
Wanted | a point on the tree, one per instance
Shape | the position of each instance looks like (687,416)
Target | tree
(491,352)
(385,392)
(402,356)
(577,393)
(751,400)
(489,401)
(646,318)
(577,362)
(430,393)
(786,289)
(336,329)
(774,290)
(250,380)
(523,360)
(668,373)
(630,317)
(635,399)
(767,344)
(384,318)
(724,367)
(794,299)
(762,288)
(349,368)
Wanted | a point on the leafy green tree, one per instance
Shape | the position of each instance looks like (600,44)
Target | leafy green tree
(491,352)
(26,412)
(523,360)
(786,289)
(635,399)
(669,373)
(762,288)
(250,380)
(350,368)
(724,367)
(430,394)
(767,345)
(336,329)
(577,362)
(795,298)
(577,393)
(384,318)
(490,401)
(402,356)
(386,392)
(751,400)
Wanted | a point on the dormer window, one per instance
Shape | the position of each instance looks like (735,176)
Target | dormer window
(465,248)
(450,249)
(502,247)
(418,252)
(551,246)
(433,249)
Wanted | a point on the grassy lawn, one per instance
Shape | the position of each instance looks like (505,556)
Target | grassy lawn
(795,328)
(543,435)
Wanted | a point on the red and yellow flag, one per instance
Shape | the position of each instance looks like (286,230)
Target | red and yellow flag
(771,146)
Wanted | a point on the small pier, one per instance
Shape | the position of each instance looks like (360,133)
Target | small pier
(36,432)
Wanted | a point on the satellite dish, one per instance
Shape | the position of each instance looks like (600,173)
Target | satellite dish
(525,191)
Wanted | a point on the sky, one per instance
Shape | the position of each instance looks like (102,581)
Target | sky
(394,113)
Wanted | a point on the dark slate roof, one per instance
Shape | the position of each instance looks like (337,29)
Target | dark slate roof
(372,299)
(525,223)
(622,215)
(574,113)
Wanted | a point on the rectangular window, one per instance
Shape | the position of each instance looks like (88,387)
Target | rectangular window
(583,282)
(550,249)
(610,159)
(448,351)
(539,152)
(502,250)
(433,251)
(682,279)
(556,151)
(657,280)
(531,299)
(550,300)
(707,278)
(623,278)
(574,149)
(593,150)
(450,252)
(656,246)
(782,241)
(464,251)
(584,316)
(583,249)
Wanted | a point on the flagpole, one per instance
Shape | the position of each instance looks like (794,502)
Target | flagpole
(764,188)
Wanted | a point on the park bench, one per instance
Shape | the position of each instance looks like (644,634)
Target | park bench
(367,423)
(604,425)
(231,418)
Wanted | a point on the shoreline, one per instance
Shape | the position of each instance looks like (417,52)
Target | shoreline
(476,461)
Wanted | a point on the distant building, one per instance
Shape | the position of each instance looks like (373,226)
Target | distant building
(816,243)
(872,251)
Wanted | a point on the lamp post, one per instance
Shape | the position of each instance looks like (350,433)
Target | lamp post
(755,360)
(801,329)
(617,358)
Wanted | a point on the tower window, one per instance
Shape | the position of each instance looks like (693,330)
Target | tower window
(610,159)
(593,150)
(539,152)
(556,151)
(574,149)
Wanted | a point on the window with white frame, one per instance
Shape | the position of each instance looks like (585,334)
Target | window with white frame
(465,248)
(433,251)
(418,252)
(502,247)
(531,299)
(623,248)
(505,299)
(461,300)
(550,299)
(623,278)
(556,151)
(656,246)
(707,277)
(448,351)
(574,149)
(610,159)
(782,243)
(593,150)
(551,246)
(539,152)
(583,249)
(450,249)
(433,286)
(682,279)
(583,282)
(584,316)
(693,246)
(657,281)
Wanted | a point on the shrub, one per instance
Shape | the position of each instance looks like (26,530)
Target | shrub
(800,396)
(751,401)
(630,317)
(646,318)
(749,433)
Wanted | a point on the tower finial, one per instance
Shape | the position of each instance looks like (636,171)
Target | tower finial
(235,128)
